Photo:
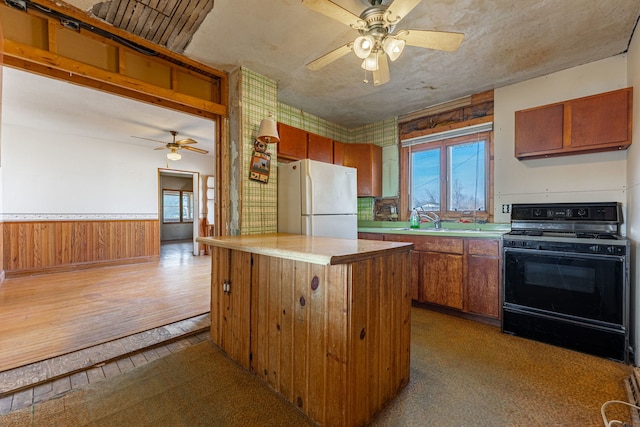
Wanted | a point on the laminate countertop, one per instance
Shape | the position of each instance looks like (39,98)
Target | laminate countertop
(312,249)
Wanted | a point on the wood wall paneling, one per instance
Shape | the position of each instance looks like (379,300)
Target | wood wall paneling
(307,318)
(46,246)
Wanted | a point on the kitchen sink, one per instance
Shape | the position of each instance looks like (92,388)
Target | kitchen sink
(439,230)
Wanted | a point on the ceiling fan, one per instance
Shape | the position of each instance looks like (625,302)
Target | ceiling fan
(376,41)
(176,146)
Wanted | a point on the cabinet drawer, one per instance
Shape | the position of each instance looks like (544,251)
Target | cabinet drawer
(450,245)
(483,247)
(371,236)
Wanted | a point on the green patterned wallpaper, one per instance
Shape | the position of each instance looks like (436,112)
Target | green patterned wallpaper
(380,133)
(259,200)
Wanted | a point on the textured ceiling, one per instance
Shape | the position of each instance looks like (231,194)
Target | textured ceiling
(505,42)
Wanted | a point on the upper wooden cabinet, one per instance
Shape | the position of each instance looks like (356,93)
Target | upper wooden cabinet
(338,153)
(367,159)
(319,148)
(293,142)
(583,125)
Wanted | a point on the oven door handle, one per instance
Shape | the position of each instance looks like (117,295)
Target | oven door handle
(564,254)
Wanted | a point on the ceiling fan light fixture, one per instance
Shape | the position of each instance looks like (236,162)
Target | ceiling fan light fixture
(268,131)
(363,45)
(393,47)
(371,62)
(174,155)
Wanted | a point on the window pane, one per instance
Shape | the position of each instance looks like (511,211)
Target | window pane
(187,206)
(466,180)
(171,206)
(425,179)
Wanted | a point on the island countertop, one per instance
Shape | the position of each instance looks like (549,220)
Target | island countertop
(312,249)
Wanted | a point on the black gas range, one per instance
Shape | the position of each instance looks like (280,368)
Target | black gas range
(566,277)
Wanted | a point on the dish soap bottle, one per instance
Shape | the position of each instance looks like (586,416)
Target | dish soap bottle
(414,220)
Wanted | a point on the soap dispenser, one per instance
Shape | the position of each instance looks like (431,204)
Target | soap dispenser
(414,220)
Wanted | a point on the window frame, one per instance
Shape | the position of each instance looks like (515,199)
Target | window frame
(444,143)
(180,208)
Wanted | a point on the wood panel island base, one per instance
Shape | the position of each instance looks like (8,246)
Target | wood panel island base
(324,322)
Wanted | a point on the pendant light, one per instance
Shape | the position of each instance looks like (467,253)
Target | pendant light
(268,131)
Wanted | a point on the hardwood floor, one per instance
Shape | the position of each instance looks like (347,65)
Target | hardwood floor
(49,315)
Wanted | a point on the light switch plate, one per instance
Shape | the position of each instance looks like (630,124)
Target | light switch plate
(506,208)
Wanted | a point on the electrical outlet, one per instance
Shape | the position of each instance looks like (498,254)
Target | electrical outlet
(506,208)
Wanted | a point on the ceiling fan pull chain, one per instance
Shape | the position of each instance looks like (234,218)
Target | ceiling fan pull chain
(365,77)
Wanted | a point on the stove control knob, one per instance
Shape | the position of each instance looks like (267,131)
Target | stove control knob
(595,248)
(582,212)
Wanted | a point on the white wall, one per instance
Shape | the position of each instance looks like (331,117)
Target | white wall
(633,189)
(584,177)
(47,173)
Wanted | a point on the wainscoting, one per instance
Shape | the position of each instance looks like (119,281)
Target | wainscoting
(34,247)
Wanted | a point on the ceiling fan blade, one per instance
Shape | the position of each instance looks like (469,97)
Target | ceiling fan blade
(399,9)
(332,10)
(149,139)
(197,150)
(186,141)
(329,57)
(440,40)
(381,75)
(161,148)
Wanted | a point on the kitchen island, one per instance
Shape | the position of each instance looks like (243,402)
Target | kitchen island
(324,322)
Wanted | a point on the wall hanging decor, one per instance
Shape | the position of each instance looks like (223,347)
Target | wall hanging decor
(260,163)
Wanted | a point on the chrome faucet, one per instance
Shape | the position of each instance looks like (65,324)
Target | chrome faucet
(430,216)
(434,218)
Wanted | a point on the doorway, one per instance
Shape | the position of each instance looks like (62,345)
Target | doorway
(179,207)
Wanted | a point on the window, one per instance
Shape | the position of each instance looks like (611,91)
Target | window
(177,206)
(447,175)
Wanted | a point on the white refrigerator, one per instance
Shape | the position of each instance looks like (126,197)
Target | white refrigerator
(317,199)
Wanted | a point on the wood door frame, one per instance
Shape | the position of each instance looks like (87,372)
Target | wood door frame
(195,185)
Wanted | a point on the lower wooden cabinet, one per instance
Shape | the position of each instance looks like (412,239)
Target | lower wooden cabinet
(441,279)
(482,266)
(231,302)
(455,272)
(332,339)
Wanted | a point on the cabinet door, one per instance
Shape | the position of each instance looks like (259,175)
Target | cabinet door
(441,279)
(483,285)
(293,142)
(367,159)
(601,119)
(230,302)
(539,130)
(483,277)
(338,153)
(320,148)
